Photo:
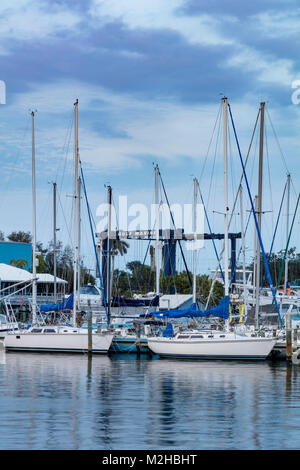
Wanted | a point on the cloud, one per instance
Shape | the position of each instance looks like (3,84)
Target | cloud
(278,24)
(31,20)
(155,15)
(150,50)
(268,68)
(118,132)
(137,128)
(235,8)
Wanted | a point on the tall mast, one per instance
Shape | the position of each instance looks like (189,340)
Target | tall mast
(54,241)
(157,231)
(195,241)
(287,231)
(108,257)
(255,249)
(33,226)
(75,302)
(225,196)
(259,208)
(226,286)
(243,250)
(79,241)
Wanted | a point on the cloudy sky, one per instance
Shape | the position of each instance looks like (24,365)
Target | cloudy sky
(149,76)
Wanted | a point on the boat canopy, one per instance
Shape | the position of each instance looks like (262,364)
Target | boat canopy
(221,311)
(67,304)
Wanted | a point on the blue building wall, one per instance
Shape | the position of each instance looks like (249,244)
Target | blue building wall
(15,250)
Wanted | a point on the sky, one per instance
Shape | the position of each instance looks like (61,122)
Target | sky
(149,77)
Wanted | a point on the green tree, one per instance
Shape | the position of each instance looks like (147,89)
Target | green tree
(119,247)
(19,263)
(20,236)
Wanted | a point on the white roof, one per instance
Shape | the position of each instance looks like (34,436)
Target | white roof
(173,300)
(44,277)
(10,273)
(13,274)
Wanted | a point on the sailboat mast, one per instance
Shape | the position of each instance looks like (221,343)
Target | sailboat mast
(226,286)
(75,302)
(54,241)
(259,209)
(243,249)
(225,196)
(109,246)
(33,226)
(195,241)
(79,241)
(287,232)
(157,231)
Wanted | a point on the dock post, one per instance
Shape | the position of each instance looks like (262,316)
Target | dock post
(90,332)
(138,340)
(288,334)
(295,338)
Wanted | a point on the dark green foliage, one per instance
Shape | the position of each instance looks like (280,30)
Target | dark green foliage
(141,279)
(19,263)
(20,236)
(275,262)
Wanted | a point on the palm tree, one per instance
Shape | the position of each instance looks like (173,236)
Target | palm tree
(118,247)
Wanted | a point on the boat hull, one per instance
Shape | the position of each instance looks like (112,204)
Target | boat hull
(77,343)
(128,345)
(246,348)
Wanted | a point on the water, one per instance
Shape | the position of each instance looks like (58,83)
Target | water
(56,401)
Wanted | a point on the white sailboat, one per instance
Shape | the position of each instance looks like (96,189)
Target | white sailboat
(214,344)
(57,338)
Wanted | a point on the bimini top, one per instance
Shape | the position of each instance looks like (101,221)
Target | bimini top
(221,311)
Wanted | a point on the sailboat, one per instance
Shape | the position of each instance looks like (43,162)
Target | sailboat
(211,344)
(55,338)
(208,343)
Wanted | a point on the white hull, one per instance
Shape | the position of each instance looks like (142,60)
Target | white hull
(57,342)
(5,327)
(239,347)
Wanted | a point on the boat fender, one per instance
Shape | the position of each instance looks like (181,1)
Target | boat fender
(295,357)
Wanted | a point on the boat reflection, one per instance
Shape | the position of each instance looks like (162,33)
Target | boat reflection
(216,405)
(59,401)
(2,356)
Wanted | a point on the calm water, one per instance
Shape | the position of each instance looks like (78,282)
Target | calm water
(67,402)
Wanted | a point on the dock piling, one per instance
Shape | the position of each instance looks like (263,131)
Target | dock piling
(90,335)
(288,335)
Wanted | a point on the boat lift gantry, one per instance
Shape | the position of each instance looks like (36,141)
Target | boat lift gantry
(169,239)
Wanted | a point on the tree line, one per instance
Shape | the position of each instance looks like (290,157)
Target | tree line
(139,278)
(276,262)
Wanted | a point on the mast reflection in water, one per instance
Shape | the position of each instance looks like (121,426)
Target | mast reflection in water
(52,401)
